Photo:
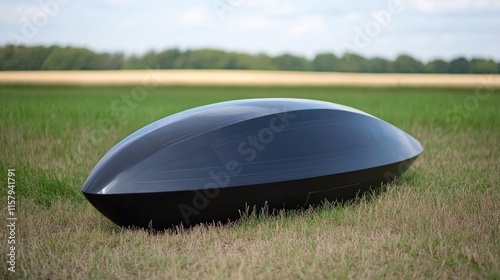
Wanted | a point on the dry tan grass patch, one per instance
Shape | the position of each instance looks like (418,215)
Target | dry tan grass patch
(440,220)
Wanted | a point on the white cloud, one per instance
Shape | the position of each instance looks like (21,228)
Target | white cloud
(425,28)
(18,14)
(194,16)
(272,7)
(444,6)
(308,25)
(119,3)
(250,24)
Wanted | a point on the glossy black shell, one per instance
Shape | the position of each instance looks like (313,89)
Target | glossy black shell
(208,163)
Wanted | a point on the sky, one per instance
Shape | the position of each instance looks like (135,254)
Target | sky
(425,29)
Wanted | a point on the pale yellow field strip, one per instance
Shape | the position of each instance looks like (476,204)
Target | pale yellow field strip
(242,77)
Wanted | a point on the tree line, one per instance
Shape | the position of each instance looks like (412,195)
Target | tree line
(72,58)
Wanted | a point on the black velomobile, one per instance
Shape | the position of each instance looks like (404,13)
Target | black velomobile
(208,163)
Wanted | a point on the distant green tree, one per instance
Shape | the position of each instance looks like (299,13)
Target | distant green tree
(7,54)
(380,65)
(483,66)
(437,66)
(108,61)
(148,60)
(407,64)
(167,58)
(325,62)
(351,62)
(291,62)
(246,61)
(263,62)
(152,60)
(132,62)
(23,58)
(70,59)
(203,59)
(459,65)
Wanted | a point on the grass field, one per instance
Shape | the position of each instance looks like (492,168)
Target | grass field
(440,220)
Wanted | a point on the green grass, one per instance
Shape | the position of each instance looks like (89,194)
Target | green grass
(440,220)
